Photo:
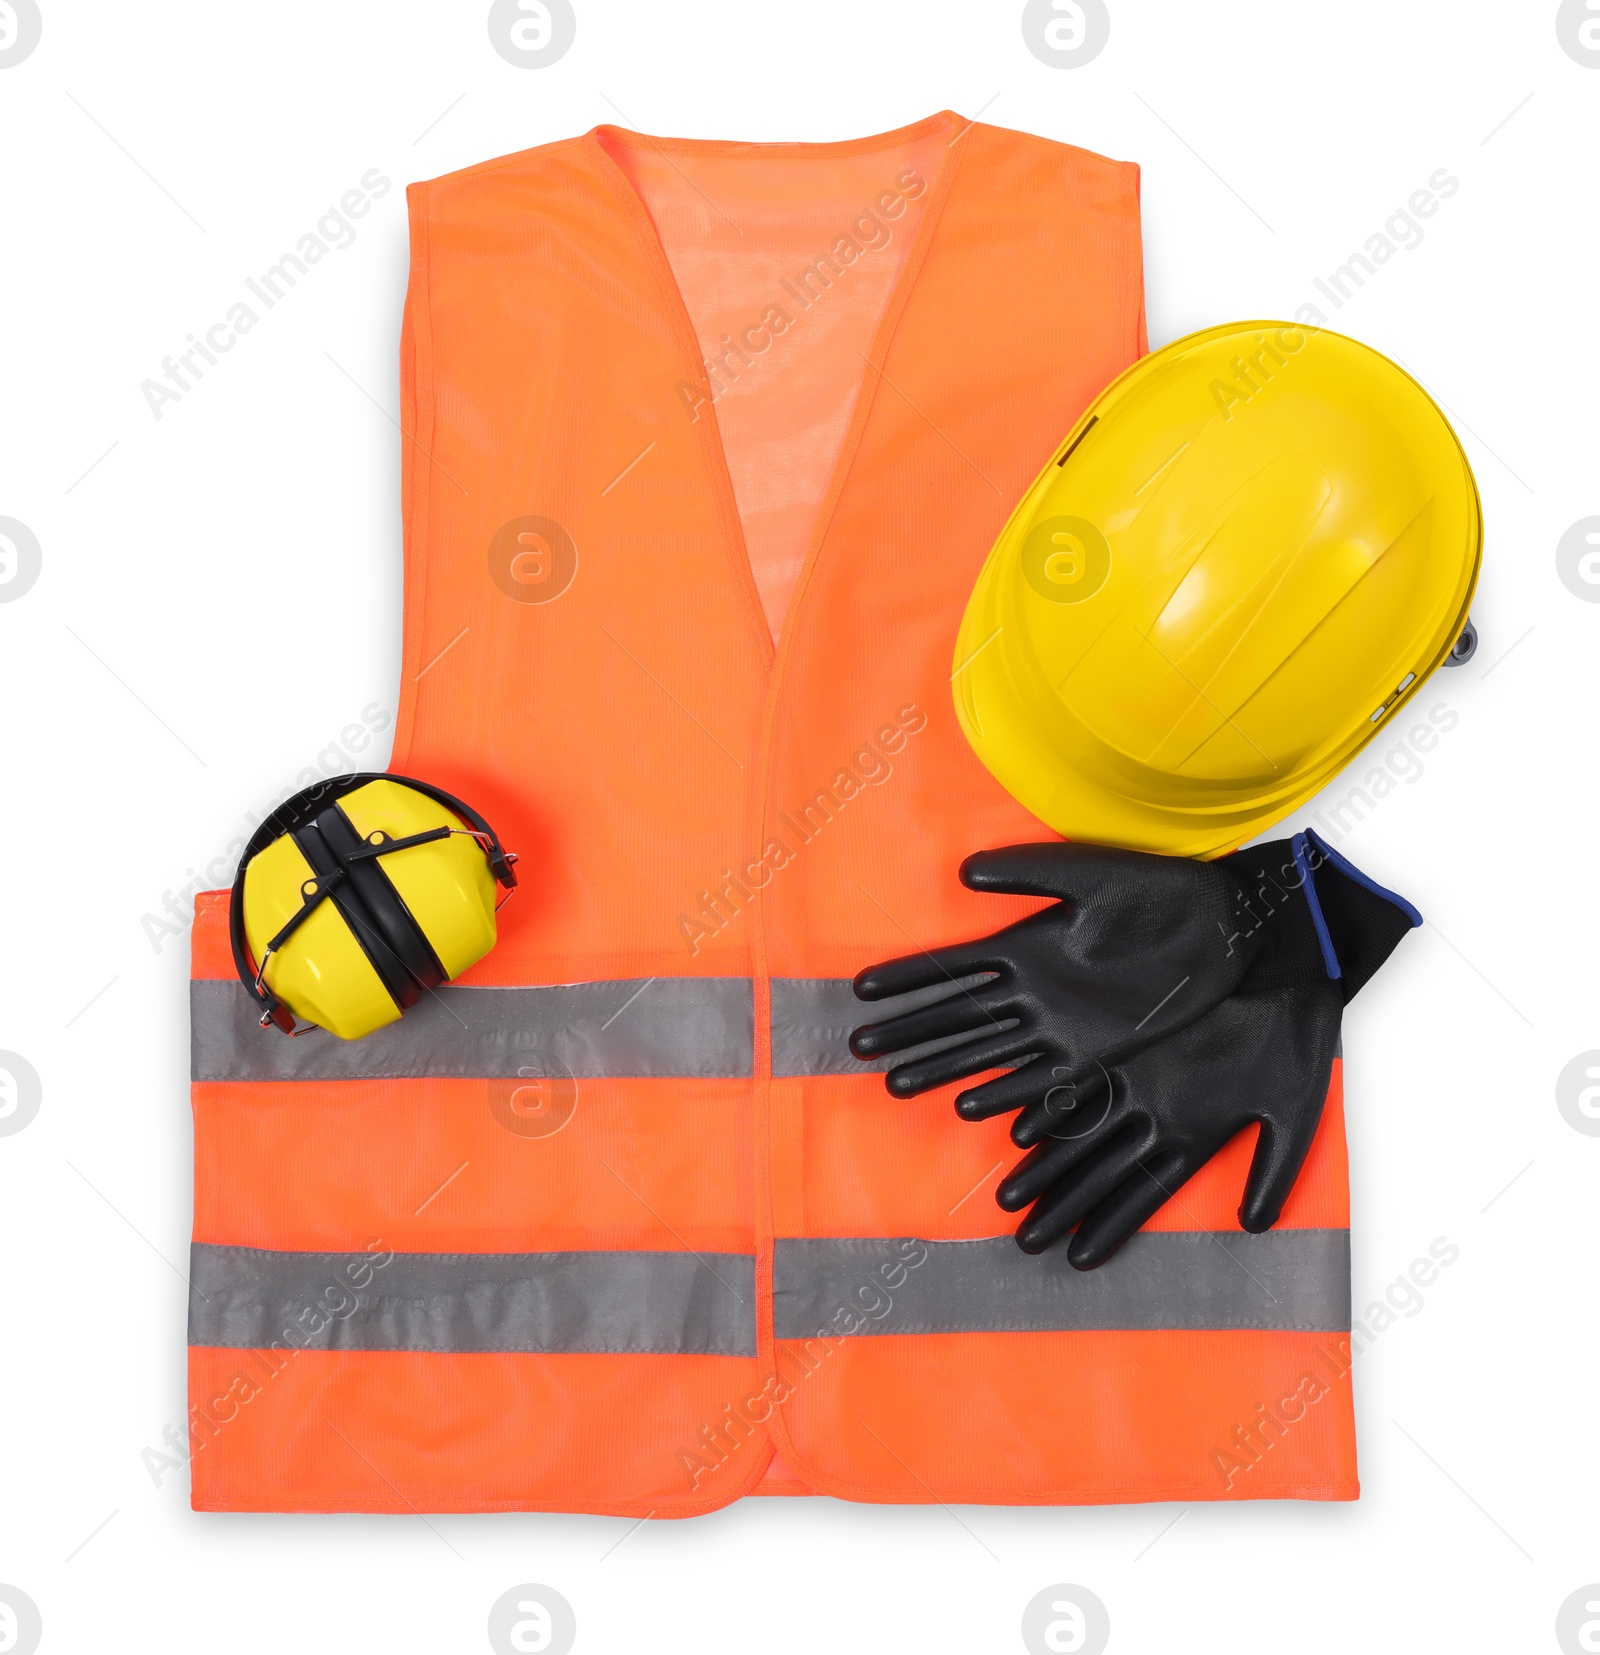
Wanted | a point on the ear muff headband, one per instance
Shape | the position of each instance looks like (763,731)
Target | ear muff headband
(372,910)
(349,874)
(368,898)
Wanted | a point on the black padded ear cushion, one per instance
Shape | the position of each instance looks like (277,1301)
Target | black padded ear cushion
(363,923)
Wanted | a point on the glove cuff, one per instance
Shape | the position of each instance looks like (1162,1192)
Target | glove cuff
(1358,922)
(1343,931)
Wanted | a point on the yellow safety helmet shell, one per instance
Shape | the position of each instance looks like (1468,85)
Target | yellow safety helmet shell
(358,896)
(1238,567)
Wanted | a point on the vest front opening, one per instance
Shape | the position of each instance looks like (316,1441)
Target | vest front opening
(786,257)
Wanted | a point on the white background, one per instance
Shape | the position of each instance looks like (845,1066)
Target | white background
(220,596)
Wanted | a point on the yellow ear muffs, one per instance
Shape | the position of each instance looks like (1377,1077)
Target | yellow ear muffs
(359,895)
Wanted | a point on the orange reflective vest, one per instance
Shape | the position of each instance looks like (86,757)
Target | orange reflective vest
(704,444)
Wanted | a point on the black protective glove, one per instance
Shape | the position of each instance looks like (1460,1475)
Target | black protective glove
(1120,1148)
(1136,947)
(1111,1145)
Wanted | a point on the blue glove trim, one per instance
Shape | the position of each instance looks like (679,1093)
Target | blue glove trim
(1350,871)
(1330,960)
(1308,884)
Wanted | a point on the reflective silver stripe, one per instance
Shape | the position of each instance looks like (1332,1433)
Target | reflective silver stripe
(812,1018)
(1284,1279)
(676,1303)
(695,1027)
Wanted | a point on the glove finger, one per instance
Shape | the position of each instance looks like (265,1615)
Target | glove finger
(1059,1208)
(1281,1151)
(932,968)
(1067,1107)
(1050,1162)
(1022,1086)
(970,1058)
(1294,1106)
(1070,1112)
(959,1014)
(1129,1206)
(1064,871)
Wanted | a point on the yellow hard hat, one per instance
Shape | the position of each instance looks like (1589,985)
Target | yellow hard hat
(357,896)
(1240,564)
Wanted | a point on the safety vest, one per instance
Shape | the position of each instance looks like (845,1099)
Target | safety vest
(704,445)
